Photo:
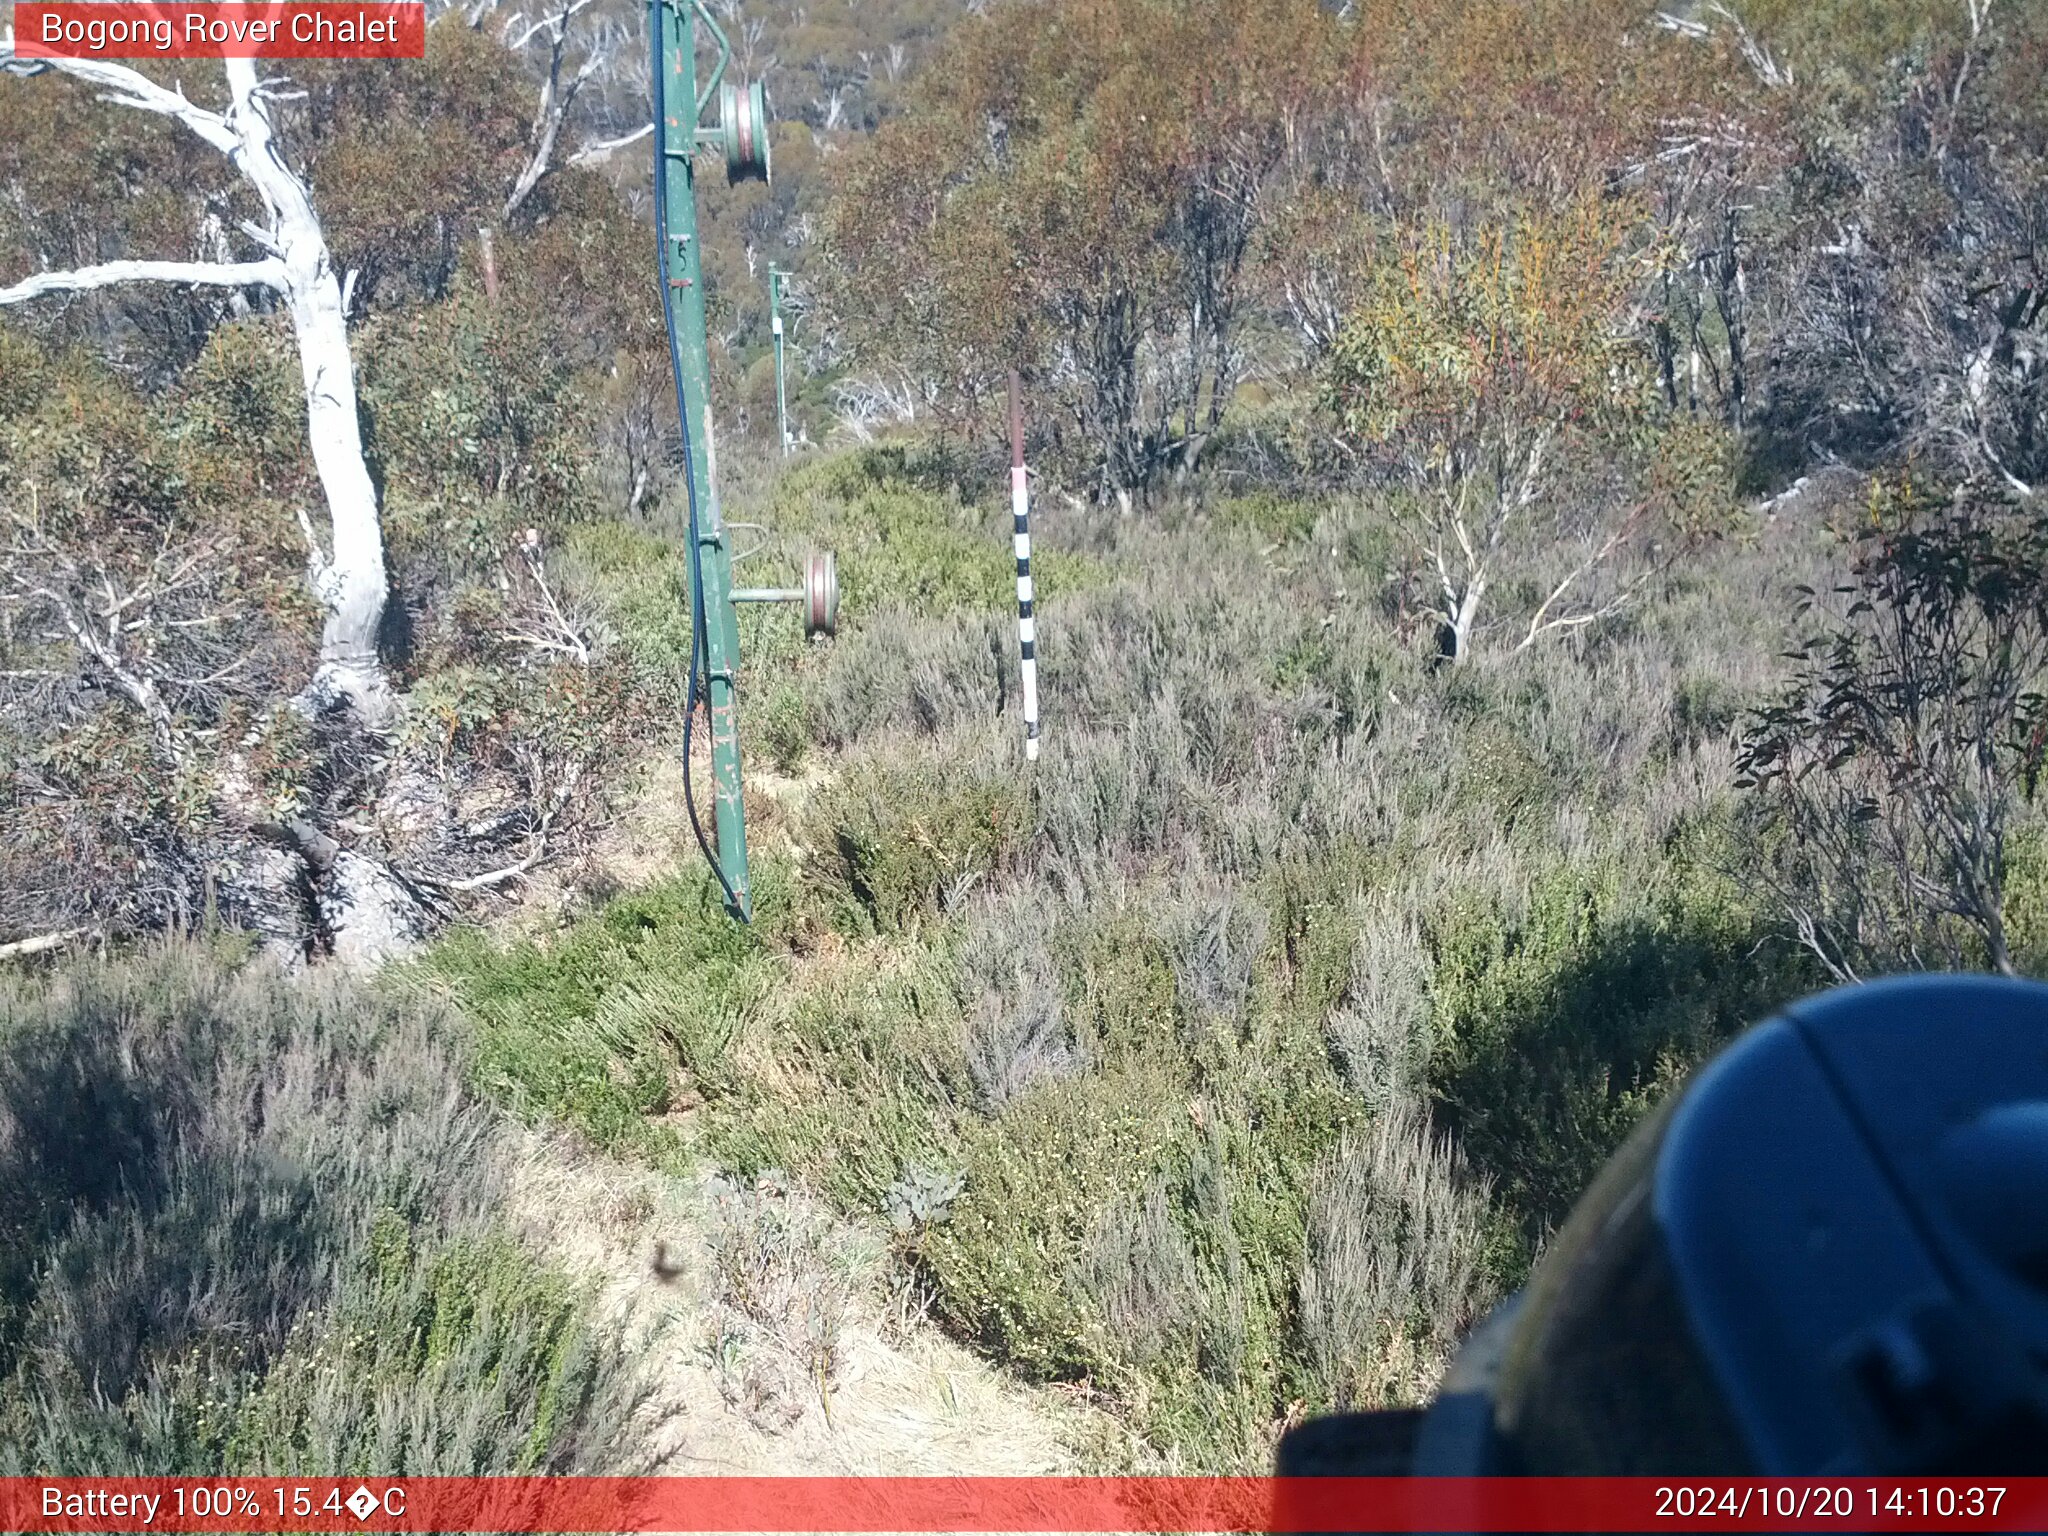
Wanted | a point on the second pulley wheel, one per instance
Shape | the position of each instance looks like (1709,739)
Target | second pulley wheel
(743,122)
(821,597)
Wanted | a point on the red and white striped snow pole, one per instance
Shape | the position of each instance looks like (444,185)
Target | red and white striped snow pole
(1020,512)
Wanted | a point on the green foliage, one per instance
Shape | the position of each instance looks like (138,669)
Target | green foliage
(1277,518)
(850,1080)
(1175,1018)
(376,142)
(469,401)
(1035,1182)
(1495,372)
(1232,1059)
(643,583)
(23,368)
(2026,900)
(1501,770)
(89,446)
(899,840)
(243,406)
(1563,1025)
(450,708)
(110,497)
(1516,324)
(612,1025)
(130,182)
(785,728)
(1907,745)
(1182,1166)
(905,543)
(1704,708)
(1888,39)
(1389,1279)
(501,1356)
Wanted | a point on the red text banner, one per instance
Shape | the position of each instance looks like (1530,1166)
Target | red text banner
(1048,1504)
(220,29)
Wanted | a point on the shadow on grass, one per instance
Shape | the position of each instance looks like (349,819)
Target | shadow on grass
(1562,1032)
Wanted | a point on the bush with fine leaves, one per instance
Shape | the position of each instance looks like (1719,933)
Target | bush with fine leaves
(248,1225)
(1894,769)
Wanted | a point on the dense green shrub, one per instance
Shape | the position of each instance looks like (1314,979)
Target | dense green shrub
(908,542)
(1036,1182)
(852,1078)
(1563,1023)
(608,1027)
(900,838)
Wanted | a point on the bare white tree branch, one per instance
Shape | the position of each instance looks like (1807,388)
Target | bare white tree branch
(553,25)
(558,91)
(1761,61)
(268,273)
(494,877)
(128,87)
(1541,623)
(41,944)
(602,150)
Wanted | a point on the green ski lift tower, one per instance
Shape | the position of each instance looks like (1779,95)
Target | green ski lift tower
(741,136)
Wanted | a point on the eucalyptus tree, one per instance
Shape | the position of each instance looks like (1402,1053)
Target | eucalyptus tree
(366,911)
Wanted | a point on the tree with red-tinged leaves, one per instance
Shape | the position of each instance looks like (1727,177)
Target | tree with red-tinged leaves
(1077,190)
(1485,369)
(1463,111)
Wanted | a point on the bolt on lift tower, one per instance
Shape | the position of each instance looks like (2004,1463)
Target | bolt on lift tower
(742,135)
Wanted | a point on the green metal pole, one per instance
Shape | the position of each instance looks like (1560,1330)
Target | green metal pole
(775,276)
(685,278)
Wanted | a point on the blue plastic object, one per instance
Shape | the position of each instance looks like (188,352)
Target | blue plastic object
(1827,1255)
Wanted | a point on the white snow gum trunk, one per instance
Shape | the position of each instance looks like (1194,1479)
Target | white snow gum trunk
(349,578)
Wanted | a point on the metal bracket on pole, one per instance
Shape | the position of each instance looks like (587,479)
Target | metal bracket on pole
(775,280)
(699,11)
(818,596)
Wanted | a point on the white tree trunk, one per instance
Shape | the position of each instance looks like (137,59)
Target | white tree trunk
(1459,619)
(368,914)
(349,578)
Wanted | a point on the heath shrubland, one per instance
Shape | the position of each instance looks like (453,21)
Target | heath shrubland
(1232,1059)
(1438,454)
